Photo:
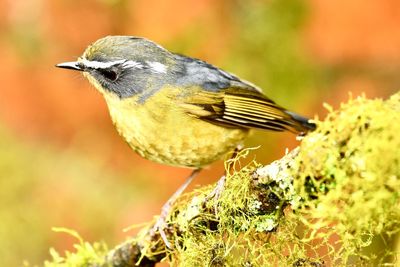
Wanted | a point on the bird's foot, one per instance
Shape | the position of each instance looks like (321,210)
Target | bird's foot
(161,223)
(215,194)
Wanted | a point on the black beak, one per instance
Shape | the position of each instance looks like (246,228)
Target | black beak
(71,65)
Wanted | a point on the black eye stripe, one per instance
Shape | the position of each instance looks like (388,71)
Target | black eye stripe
(109,73)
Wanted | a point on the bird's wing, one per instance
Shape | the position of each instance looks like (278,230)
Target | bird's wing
(226,100)
(239,107)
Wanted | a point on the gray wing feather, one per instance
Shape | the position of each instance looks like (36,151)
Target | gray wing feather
(194,72)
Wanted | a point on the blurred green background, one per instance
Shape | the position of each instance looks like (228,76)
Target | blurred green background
(63,164)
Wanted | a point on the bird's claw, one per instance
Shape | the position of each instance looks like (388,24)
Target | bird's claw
(216,193)
(159,227)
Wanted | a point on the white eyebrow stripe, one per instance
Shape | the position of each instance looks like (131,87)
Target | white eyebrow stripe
(157,66)
(132,64)
(154,66)
(99,64)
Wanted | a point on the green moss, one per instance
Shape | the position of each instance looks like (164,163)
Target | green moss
(86,254)
(352,166)
(235,229)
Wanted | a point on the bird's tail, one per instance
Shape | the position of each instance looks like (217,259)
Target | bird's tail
(301,124)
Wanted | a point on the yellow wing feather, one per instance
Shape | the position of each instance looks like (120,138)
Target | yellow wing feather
(240,108)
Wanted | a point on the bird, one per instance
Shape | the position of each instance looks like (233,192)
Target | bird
(178,110)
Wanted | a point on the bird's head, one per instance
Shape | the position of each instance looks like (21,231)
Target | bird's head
(123,65)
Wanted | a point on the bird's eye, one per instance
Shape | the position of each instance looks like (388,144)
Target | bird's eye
(109,74)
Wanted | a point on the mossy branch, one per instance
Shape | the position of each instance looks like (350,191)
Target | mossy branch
(321,204)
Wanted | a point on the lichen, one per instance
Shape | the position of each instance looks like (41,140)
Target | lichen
(349,175)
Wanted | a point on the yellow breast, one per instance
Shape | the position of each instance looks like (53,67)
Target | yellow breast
(161,131)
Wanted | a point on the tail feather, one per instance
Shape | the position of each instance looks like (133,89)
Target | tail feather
(303,123)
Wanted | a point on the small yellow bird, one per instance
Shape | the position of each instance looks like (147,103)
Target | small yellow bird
(174,109)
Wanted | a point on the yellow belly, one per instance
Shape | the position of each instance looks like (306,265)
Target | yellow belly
(161,131)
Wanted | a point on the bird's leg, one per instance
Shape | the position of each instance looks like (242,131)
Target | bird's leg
(165,210)
(216,193)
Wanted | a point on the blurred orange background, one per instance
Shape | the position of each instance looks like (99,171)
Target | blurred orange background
(63,164)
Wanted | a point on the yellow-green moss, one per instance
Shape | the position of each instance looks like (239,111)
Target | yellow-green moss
(86,254)
(243,226)
(351,164)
